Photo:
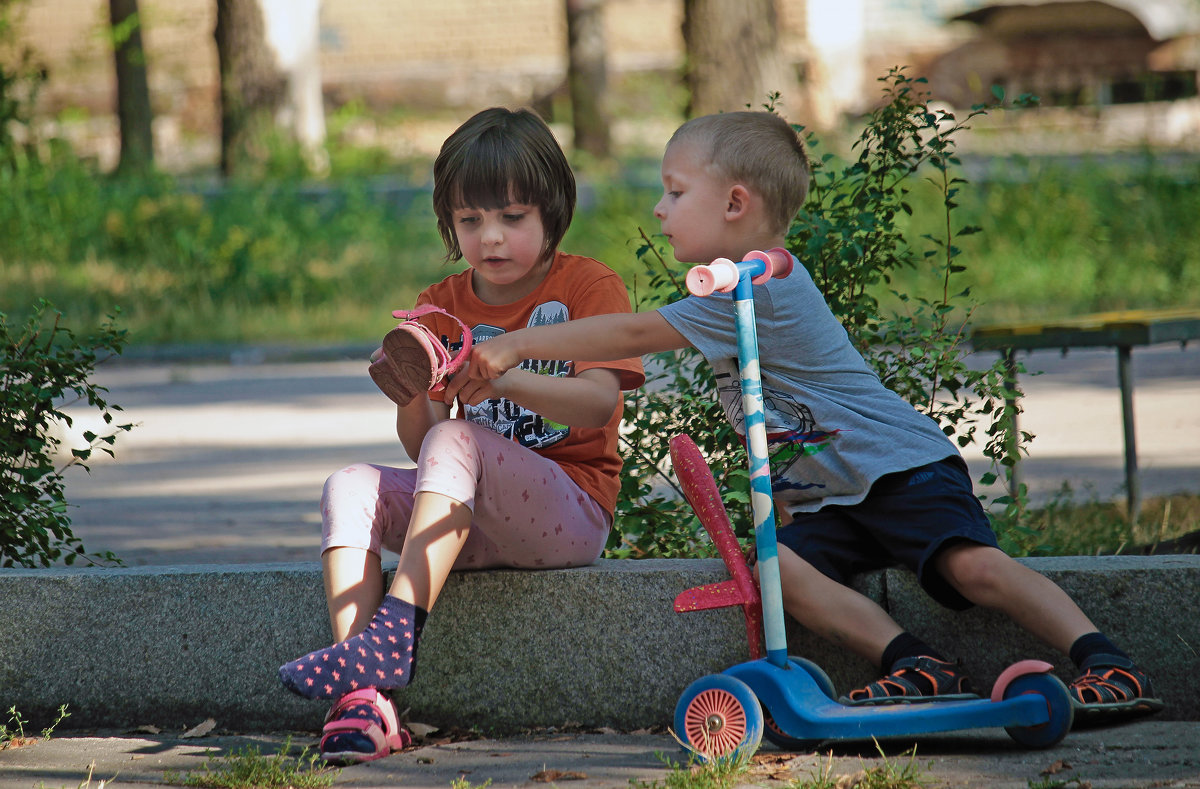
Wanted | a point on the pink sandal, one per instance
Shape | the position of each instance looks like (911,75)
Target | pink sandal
(391,737)
(414,359)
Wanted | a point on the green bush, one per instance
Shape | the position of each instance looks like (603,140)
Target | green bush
(41,365)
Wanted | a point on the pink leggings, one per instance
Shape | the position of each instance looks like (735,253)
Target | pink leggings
(526,511)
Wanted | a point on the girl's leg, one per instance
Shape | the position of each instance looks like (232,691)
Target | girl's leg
(353,589)
(363,507)
(530,513)
(436,536)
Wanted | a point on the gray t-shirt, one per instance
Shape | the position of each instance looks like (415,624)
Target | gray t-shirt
(832,427)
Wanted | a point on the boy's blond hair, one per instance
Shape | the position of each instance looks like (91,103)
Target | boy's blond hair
(759,150)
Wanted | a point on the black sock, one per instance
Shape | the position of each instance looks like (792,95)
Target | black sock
(906,645)
(1093,644)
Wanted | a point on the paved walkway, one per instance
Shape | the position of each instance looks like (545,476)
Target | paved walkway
(227,461)
(1137,756)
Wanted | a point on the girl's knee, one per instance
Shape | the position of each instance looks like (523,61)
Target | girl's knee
(351,481)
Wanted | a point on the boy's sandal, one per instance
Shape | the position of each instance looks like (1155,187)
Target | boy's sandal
(350,739)
(414,360)
(1112,687)
(947,680)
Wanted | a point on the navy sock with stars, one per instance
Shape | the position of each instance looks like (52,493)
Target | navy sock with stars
(382,656)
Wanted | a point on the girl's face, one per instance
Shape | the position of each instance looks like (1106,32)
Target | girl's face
(504,247)
(692,207)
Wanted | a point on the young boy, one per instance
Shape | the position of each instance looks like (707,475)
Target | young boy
(870,482)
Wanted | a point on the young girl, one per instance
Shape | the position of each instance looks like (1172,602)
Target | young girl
(525,477)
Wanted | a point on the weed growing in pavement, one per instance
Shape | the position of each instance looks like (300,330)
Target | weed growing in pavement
(889,775)
(248,768)
(714,774)
(86,783)
(12,734)
(462,783)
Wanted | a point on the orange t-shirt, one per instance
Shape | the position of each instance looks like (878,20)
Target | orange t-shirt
(575,287)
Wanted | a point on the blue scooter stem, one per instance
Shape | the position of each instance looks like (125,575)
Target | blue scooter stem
(761,501)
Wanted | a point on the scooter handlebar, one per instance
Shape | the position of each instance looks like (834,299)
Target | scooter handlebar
(723,274)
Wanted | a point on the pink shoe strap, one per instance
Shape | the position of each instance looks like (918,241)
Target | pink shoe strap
(447,365)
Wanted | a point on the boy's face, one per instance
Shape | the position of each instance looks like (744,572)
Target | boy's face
(693,206)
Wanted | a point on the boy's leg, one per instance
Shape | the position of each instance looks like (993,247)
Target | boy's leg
(914,670)
(990,578)
(1109,684)
(834,611)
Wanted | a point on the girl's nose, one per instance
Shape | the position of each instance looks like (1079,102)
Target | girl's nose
(659,213)
(492,233)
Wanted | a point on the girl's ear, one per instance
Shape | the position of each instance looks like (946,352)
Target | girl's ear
(738,202)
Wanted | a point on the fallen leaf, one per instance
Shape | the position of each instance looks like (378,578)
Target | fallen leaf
(421,730)
(550,776)
(199,730)
(1057,767)
(147,729)
(424,760)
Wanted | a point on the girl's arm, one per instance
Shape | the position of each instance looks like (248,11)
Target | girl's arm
(585,400)
(600,338)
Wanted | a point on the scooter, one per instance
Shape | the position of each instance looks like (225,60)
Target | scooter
(791,700)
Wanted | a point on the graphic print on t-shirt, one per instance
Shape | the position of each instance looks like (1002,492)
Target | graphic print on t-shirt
(503,416)
(792,431)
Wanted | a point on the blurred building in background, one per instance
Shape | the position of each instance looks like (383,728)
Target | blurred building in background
(1116,70)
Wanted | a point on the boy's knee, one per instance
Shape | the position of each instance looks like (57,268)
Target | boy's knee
(975,569)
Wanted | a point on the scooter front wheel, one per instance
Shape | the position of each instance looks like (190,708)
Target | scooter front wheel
(1058,701)
(718,719)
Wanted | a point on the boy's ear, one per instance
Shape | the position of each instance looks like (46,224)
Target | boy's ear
(738,202)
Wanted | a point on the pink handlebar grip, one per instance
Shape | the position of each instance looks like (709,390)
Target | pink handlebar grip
(703,280)
(778,264)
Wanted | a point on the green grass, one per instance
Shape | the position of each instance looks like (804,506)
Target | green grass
(1073,525)
(268,262)
(248,768)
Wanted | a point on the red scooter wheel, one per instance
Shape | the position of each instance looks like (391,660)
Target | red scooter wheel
(718,718)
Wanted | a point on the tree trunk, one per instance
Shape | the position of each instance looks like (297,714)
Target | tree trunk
(252,85)
(587,77)
(733,56)
(134,115)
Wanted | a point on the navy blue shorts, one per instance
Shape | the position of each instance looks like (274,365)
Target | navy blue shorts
(906,518)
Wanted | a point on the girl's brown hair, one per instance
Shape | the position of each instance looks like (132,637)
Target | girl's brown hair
(499,157)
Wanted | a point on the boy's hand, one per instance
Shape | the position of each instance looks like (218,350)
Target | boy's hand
(493,358)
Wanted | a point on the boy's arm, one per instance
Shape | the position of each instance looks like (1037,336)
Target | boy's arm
(600,338)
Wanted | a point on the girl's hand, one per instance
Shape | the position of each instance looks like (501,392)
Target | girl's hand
(492,358)
(470,390)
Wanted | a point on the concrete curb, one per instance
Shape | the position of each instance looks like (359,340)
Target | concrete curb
(505,650)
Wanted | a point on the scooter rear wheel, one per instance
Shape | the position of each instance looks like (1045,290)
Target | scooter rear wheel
(718,719)
(771,729)
(1058,701)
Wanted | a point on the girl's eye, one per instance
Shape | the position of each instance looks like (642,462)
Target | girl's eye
(513,217)
(467,220)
